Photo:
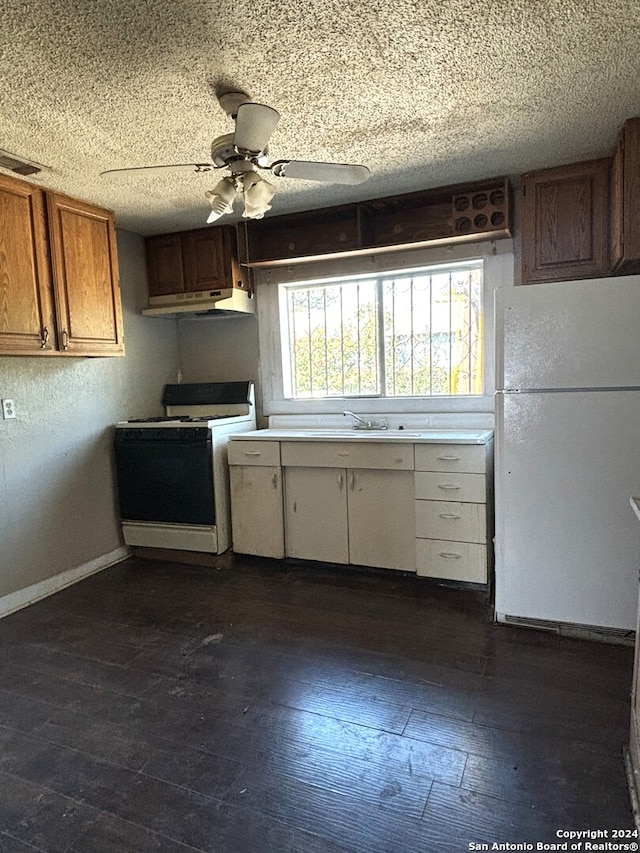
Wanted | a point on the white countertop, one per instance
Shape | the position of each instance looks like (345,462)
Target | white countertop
(408,436)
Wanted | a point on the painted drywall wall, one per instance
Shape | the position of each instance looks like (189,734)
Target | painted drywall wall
(57,488)
(220,349)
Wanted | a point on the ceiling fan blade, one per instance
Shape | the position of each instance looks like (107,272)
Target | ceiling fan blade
(333,173)
(254,125)
(156,170)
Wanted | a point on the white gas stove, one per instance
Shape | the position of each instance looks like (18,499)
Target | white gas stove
(172,472)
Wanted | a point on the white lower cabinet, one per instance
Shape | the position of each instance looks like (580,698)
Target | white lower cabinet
(316,514)
(342,515)
(381,531)
(421,507)
(452,525)
(256,498)
(451,520)
(455,561)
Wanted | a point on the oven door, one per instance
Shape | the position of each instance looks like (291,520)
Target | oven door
(165,475)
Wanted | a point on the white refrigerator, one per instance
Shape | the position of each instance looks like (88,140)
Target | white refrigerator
(567,445)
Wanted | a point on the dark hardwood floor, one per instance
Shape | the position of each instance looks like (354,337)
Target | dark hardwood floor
(260,707)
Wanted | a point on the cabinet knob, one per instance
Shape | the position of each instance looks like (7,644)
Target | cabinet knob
(44,338)
(65,339)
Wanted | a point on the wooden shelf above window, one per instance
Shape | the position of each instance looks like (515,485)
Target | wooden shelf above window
(456,214)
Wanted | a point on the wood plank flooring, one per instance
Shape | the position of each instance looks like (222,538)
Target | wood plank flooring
(269,707)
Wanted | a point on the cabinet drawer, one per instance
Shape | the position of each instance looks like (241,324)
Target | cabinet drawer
(347,454)
(470,458)
(436,486)
(450,520)
(253,452)
(457,561)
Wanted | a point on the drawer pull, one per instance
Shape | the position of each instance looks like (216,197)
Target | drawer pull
(449,555)
(448,487)
(344,453)
(448,515)
(340,481)
(274,481)
(253,453)
(448,458)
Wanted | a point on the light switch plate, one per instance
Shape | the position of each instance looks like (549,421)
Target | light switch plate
(8,409)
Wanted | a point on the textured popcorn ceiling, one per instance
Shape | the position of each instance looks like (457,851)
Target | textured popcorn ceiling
(424,92)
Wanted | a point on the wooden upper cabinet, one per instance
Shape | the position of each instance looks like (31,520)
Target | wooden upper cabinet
(625,200)
(59,287)
(85,277)
(193,261)
(164,264)
(460,213)
(565,222)
(206,260)
(26,307)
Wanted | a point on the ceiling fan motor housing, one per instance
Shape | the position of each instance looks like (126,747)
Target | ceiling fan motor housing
(232,101)
(224,153)
(222,150)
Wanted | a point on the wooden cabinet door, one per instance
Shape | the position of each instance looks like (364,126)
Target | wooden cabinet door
(206,261)
(256,510)
(26,306)
(565,222)
(165,274)
(381,520)
(316,514)
(85,278)
(625,200)
(194,261)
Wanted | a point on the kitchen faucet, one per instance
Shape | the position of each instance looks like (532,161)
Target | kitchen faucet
(361,423)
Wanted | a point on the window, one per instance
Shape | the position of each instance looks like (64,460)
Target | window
(404,334)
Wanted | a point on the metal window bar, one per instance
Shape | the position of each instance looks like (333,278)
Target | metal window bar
(430,334)
(358,308)
(470,342)
(292,339)
(450,376)
(342,374)
(412,338)
(326,345)
(381,366)
(391,343)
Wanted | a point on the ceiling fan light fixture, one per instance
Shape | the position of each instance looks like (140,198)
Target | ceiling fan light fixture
(257,193)
(243,152)
(221,198)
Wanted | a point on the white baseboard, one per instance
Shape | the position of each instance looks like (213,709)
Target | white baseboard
(30,594)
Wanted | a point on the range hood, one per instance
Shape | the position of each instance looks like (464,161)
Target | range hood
(229,301)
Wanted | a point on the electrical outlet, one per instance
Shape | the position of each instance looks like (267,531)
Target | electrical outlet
(8,409)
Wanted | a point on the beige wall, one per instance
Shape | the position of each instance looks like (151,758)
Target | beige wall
(221,349)
(57,497)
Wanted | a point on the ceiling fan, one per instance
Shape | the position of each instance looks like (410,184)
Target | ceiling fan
(243,153)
